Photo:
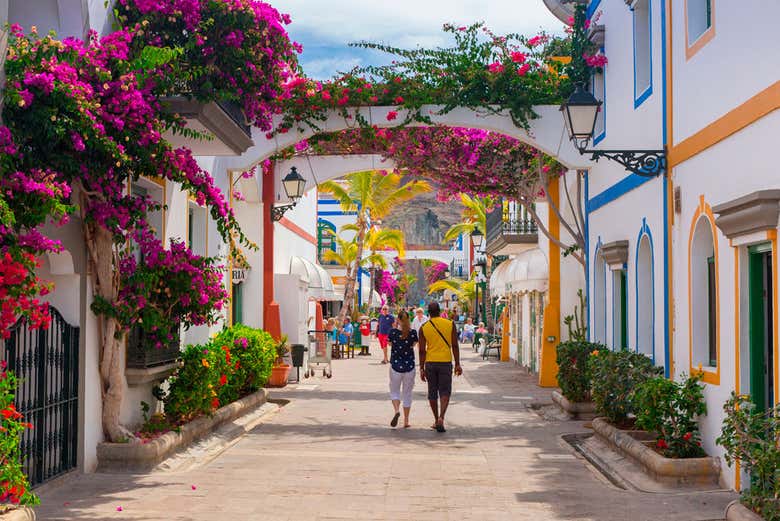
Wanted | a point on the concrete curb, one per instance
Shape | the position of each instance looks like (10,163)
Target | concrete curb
(689,470)
(19,514)
(575,410)
(736,511)
(141,457)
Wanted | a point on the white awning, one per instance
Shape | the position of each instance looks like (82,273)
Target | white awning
(320,283)
(528,271)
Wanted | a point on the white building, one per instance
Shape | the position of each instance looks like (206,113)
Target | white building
(683,266)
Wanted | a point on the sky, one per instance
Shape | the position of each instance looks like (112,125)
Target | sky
(325,27)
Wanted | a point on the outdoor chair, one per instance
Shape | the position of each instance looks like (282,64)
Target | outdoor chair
(477,337)
(492,342)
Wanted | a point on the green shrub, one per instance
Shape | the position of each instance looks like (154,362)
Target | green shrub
(236,362)
(669,409)
(751,437)
(574,370)
(192,391)
(614,376)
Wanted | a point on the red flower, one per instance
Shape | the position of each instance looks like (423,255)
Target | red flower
(661,444)
(517,57)
(398,100)
(392,115)
(687,436)
(215,403)
(11,412)
(222,380)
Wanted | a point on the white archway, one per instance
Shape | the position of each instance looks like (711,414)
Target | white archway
(546,133)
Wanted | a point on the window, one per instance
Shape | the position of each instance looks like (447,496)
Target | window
(704,296)
(599,90)
(643,54)
(600,299)
(619,310)
(699,15)
(645,312)
(197,219)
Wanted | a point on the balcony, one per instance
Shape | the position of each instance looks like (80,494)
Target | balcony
(223,120)
(146,363)
(459,269)
(511,230)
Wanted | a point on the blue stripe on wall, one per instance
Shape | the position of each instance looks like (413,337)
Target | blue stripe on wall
(337,213)
(665,196)
(594,4)
(616,191)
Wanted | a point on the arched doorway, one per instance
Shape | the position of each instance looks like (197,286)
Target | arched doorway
(645,296)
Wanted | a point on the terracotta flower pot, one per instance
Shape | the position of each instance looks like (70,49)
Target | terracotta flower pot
(279,375)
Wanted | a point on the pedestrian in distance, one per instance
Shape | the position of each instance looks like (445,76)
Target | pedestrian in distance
(438,348)
(386,321)
(419,320)
(402,340)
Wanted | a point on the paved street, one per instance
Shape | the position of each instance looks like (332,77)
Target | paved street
(330,454)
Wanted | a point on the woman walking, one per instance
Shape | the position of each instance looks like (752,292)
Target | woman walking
(402,343)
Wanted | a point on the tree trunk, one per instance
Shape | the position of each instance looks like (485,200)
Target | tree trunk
(371,285)
(105,281)
(349,291)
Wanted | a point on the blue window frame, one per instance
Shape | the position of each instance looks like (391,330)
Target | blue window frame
(643,51)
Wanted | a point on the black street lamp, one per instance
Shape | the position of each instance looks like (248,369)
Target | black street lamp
(477,238)
(482,281)
(580,113)
(294,186)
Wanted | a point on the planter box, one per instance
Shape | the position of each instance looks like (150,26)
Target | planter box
(575,410)
(736,511)
(19,514)
(141,457)
(668,470)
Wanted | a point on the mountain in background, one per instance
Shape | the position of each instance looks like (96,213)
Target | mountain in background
(424,221)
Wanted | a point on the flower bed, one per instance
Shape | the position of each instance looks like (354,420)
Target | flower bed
(574,378)
(14,487)
(575,410)
(636,446)
(141,456)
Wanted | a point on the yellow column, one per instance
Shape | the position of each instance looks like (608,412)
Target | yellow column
(551,329)
(505,336)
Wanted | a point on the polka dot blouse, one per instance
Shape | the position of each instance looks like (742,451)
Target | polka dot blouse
(402,350)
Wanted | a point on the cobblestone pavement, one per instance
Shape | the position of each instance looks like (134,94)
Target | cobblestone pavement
(330,454)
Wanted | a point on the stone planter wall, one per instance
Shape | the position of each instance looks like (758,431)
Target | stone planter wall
(575,410)
(736,511)
(19,514)
(671,470)
(141,457)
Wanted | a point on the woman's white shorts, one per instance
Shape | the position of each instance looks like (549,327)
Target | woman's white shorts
(401,386)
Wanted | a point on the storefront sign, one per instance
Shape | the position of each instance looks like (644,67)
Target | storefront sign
(239,275)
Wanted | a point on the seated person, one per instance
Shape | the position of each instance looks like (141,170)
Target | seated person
(467,335)
(346,332)
(481,329)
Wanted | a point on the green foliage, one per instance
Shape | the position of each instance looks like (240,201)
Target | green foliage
(236,362)
(14,488)
(669,409)
(577,321)
(614,376)
(574,376)
(751,437)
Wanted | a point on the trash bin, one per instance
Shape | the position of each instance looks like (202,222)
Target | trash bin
(296,352)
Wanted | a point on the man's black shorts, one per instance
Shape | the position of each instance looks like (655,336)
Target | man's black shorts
(439,376)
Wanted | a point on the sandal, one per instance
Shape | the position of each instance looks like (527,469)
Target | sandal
(394,421)
(440,427)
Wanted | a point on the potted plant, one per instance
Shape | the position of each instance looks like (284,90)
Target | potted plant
(281,370)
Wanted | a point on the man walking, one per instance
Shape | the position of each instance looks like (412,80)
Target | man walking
(438,348)
(386,321)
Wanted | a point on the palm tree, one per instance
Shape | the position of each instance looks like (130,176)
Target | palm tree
(474,216)
(466,290)
(372,194)
(345,254)
(378,239)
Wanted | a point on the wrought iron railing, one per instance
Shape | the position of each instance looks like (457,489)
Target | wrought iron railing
(142,354)
(459,269)
(513,220)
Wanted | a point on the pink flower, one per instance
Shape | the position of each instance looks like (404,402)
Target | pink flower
(398,100)
(496,67)
(523,69)
(517,57)
(392,115)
